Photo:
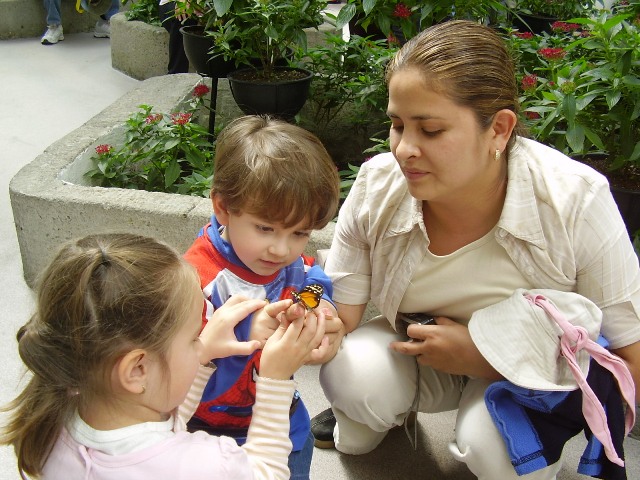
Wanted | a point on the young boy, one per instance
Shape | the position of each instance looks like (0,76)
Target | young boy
(273,184)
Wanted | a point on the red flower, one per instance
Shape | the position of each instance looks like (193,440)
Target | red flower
(103,149)
(532,115)
(564,26)
(153,118)
(525,35)
(552,53)
(200,90)
(529,82)
(401,11)
(180,118)
(392,40)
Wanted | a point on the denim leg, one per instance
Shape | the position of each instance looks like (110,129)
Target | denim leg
(115,7)
(53,12)
(300,461)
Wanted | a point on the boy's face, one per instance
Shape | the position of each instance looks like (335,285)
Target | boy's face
(263,247)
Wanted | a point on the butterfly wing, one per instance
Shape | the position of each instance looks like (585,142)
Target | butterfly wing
(309,296)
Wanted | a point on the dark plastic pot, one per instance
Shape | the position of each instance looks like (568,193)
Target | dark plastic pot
(281,98)
(197,46)
(533,23)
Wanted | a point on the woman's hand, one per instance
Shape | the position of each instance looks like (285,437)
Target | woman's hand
(293,344)
(447,347)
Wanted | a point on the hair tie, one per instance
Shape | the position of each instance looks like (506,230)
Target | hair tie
(105,260)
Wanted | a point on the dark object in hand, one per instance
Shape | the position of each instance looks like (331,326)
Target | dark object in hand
(403,320)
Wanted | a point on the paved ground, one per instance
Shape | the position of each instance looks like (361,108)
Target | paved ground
(46,92)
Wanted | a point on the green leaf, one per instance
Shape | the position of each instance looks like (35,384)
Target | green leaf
(368,5)
(613,97)
(569,107)
(575,137)
(171,174)
(346,13)
(222,6)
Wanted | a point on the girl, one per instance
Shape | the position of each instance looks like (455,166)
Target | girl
(114,347)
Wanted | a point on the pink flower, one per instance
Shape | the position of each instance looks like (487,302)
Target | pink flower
(552,53)
(103,149)
(392,40)
(200,90)
(532,115)
(525,35)
(180,118)
(153,118)
(529,82)
(401,11)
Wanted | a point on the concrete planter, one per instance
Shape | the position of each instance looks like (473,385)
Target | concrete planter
(138,49)
(53,203)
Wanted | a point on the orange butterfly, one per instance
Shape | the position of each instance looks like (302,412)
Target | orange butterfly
(309,296)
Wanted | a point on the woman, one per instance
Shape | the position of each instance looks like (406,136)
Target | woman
(461,214)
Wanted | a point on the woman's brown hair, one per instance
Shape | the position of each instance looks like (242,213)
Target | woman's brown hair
(467,62)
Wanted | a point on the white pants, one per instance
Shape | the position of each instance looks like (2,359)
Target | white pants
(372,389)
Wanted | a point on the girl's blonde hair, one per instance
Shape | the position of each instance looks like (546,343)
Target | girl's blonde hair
(467,62)
(100,297)
(277,171)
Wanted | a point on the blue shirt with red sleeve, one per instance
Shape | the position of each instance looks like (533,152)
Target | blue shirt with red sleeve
(228,398)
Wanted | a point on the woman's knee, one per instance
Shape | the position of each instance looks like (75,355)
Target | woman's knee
(367,376)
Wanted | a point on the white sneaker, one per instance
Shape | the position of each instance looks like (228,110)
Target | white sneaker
(52,35)
(103,29)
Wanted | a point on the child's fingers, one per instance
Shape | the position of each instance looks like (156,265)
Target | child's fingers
(314,329)
(236,309)
(273,309)
(244,348)
(318,353)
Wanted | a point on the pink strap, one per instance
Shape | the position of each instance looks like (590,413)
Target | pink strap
(574,339)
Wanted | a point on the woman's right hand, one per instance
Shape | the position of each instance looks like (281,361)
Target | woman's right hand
(292,344)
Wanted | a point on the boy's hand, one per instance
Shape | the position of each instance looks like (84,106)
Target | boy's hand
(266,321)
(292,344)
(218,338)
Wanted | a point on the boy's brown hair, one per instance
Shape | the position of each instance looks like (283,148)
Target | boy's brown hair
(277,171)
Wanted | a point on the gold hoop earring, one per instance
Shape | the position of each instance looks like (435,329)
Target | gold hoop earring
(497,156)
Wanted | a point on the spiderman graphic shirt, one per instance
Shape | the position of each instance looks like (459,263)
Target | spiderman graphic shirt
(227,401)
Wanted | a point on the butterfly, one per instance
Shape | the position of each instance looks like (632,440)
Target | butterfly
(309,296)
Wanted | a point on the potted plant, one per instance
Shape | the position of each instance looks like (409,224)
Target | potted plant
(399,21)
(537,15)
(581,94)
(259,35)
(199,47)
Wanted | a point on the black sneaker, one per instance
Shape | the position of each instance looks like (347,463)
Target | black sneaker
(322,426)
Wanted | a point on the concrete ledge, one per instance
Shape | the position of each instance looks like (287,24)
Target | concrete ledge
(49,210)
(26,18)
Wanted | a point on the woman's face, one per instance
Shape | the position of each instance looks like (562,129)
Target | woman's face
(438,144)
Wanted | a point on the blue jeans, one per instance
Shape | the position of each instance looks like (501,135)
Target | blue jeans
(53,11)
(300,461)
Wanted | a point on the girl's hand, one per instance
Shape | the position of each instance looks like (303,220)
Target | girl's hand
(218,338)
(447,347)
(292,344)
(265,322)
(334,331)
